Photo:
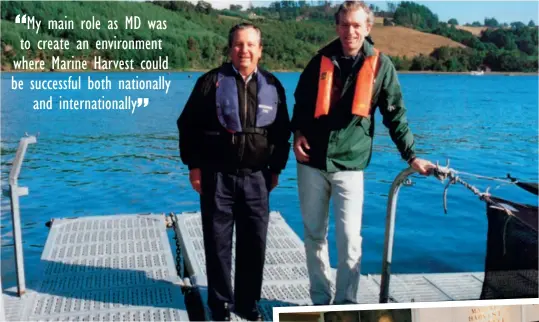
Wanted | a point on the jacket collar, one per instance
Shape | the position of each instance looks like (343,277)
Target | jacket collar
(248,77)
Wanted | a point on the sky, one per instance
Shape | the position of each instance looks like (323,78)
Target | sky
(463,11)
(470,11)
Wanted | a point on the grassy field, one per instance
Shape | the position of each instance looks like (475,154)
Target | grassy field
(401,41)
(476,31)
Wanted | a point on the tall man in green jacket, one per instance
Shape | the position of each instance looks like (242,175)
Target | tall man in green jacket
(333,125)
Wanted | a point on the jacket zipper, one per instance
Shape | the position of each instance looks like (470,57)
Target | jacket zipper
(242,138)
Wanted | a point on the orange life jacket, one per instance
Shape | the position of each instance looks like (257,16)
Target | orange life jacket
(361,105)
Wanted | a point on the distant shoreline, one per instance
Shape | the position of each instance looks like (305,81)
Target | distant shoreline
(273,71)
(468,73)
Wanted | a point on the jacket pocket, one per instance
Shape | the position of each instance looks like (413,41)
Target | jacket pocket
(366,124)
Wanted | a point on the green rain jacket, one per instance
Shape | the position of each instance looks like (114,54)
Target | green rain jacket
(342,141)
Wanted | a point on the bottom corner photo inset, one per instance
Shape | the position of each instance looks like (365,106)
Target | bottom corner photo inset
(386,315)
(477,313)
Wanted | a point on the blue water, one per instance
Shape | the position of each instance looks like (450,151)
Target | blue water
(90,163)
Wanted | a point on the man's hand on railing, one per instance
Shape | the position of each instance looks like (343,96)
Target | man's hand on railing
(422,166)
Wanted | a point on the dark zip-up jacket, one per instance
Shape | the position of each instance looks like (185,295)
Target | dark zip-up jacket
(204,142)
(343,141)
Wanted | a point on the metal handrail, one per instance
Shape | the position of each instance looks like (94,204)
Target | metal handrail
(14,193)
(390,231)
(441,173)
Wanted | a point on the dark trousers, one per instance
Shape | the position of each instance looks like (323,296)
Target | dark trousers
(240,199)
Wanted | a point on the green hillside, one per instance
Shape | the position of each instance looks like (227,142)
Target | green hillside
(196,35)
(192,40)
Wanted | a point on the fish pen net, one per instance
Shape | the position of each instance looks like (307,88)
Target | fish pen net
(511,264)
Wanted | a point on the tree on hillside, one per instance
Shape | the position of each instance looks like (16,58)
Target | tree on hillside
(453,21)
(531,23)
(491,22)
(517,25)
(502,38)
(442,53)
(527,40)
(422,62)
(510,60)
(476,24)
(182,6)
(235,7)
(401,63)
(411,14)
(204,7)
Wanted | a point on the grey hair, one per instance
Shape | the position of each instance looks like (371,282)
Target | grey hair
(241,26)
(348,6)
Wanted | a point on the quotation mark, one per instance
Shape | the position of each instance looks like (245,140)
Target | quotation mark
(30,21)
(140,100)
(139,103)
(19,20)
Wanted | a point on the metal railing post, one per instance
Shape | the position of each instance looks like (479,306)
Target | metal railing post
(15,192)
(2,310)
(390,232)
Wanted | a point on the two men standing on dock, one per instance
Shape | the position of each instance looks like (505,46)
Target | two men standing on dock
(234,133)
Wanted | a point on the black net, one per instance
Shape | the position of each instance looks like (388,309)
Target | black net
(511,261)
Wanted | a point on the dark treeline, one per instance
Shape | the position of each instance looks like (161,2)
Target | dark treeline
(509,48)
(499,48)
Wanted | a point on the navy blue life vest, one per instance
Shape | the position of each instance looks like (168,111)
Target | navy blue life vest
(228,109)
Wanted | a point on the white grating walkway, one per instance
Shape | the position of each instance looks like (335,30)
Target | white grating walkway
(285,274)
(110,268)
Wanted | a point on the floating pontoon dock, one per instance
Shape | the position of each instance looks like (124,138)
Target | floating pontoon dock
(121,268)
(285,273)
(109,268)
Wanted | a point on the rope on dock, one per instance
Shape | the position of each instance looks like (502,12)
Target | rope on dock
(444,173)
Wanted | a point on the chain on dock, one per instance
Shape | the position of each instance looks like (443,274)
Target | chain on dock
(187,288)
(173,223)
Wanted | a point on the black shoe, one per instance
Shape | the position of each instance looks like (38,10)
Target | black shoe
(221,314)
(250,315)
